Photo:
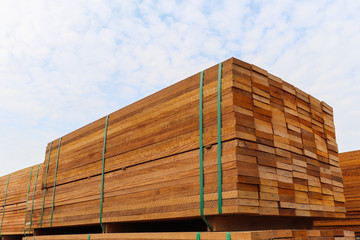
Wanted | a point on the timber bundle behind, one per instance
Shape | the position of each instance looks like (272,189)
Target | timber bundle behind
(350,166)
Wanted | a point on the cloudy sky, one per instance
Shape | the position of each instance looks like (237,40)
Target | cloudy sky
(64,64)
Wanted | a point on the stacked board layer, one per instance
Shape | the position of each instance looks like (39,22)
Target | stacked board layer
(256,235)
(17,200)
(278,155)
(350,165)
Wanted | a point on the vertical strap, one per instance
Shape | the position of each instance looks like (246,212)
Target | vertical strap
(47,169)
(56,167)
(201,150)
(102,174)
(2,218)
(33,197)
(219,141)
(27,198)
(89,236)
(228,236)
(198,236)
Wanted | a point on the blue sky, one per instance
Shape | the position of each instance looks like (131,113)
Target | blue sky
(64,64)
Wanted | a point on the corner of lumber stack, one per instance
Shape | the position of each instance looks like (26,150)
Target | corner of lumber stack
(350,166)
(278,155)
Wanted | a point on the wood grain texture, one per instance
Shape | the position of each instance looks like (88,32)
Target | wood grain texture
(254,235)
(21,188)
(279,155)
(350,166)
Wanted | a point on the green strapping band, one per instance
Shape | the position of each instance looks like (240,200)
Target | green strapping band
(33,197)
(2,218)
(89,236)
(219,142)
(102,174)
(56,167)
(201,150)
(27,198)
(198,236)
(228,236)
(47,169)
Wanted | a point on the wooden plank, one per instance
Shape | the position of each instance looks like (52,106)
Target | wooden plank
(246,235)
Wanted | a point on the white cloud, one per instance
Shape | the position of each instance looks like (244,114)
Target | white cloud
(64,64)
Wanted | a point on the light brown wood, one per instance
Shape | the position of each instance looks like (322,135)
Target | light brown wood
(249,235)
(349,163)
(279,156)
(281,138)
(19,198)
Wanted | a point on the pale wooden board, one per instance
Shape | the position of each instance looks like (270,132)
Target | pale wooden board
(255,235)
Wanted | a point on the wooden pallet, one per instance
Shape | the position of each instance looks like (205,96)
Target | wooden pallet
(279,155)
(255,235)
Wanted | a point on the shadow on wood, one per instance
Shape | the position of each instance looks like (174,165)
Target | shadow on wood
(68,230)
(249,223)
(186,225)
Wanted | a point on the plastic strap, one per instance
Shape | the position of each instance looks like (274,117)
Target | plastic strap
(56,166)
(219,141)
(27,198)
(198,236)
(2,218)
(228,236)
(201,149)
(33,197)
(89,236)
(102,174)
(47,169)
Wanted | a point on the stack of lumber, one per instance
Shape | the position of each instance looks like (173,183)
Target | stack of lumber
(296,152)
(17,191)
(255,235)
(350,166)
(279,155)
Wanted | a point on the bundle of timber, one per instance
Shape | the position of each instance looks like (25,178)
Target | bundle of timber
(255,235)
(350,166)
(232,139)
(17,200)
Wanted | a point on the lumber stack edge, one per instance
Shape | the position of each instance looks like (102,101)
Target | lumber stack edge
(350,165)
(279,160)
